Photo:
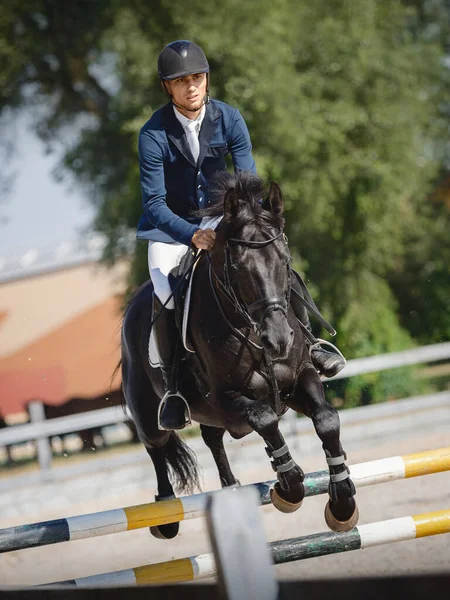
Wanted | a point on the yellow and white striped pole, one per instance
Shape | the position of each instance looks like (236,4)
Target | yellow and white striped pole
(192,507)
(283,551)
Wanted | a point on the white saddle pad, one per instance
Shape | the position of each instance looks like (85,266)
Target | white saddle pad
(153,355)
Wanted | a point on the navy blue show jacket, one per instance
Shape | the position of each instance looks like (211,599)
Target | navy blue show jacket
(172,183)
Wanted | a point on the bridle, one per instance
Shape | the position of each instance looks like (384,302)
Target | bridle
(230,288)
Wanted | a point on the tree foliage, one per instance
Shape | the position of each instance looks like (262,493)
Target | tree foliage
(346,106)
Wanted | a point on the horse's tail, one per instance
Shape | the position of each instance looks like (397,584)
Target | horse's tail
(182,464)
(114,373)
(117,368)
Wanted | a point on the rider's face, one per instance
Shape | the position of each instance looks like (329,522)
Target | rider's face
(188,91)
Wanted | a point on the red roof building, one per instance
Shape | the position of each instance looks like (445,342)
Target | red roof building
(59,333)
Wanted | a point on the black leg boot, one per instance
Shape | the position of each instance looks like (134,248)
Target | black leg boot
(327,363)
(173,412)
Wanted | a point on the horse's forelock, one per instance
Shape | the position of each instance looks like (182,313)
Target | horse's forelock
(251,190)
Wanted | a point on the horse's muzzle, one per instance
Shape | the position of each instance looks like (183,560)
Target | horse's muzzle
(276,336)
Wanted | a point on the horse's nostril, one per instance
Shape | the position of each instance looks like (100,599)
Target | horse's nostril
(267,342)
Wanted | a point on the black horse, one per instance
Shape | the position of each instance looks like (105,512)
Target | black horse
(251,360)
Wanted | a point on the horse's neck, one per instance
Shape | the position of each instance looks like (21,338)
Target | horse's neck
(224,302)
(209,302)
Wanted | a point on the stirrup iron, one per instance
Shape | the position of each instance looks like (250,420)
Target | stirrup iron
(319,343)
(187,410)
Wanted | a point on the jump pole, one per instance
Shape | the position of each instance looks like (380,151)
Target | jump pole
(283,551)
(192,507)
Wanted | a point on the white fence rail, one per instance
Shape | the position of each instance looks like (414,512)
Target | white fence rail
(61,425)
(41,430)
(381,362)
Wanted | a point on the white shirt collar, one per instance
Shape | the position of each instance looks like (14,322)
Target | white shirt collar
(185,120)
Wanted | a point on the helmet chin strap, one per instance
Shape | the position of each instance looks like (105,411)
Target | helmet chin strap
(205,101)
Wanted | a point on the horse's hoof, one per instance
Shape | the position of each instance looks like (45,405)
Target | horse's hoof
(281,504)
(165,532)
(340,526)
(236,484)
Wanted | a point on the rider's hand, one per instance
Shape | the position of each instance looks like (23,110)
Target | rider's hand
(204,239)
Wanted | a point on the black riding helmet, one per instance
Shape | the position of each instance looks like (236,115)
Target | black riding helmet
(182,58)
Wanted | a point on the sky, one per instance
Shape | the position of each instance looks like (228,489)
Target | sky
(38,210)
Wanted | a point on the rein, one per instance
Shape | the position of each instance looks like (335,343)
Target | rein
(227,287)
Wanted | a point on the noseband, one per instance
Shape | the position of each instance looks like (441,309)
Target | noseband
(231,289)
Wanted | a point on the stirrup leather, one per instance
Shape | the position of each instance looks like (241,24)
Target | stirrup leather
(187,410)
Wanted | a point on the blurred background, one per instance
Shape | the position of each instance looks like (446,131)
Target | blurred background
(347,103)
(348,107)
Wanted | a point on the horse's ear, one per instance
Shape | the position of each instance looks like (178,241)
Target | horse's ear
(274,201)
(230,204)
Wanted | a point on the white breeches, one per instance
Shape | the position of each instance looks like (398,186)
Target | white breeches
(164,256)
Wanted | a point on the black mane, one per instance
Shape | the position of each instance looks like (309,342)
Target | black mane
(251,191)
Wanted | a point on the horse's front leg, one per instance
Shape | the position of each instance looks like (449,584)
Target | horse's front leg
(288,493)
(341,512)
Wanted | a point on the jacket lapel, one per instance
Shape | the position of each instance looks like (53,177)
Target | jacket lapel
(207,130)
(176,134)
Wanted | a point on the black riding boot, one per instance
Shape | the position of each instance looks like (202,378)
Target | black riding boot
(173,412)
(327,363)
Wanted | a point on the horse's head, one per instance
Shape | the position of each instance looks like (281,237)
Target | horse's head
(252,259)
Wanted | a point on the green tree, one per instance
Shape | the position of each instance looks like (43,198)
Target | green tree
(344,104)
(420,277)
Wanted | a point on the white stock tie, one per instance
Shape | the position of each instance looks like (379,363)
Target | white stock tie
(192,137)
